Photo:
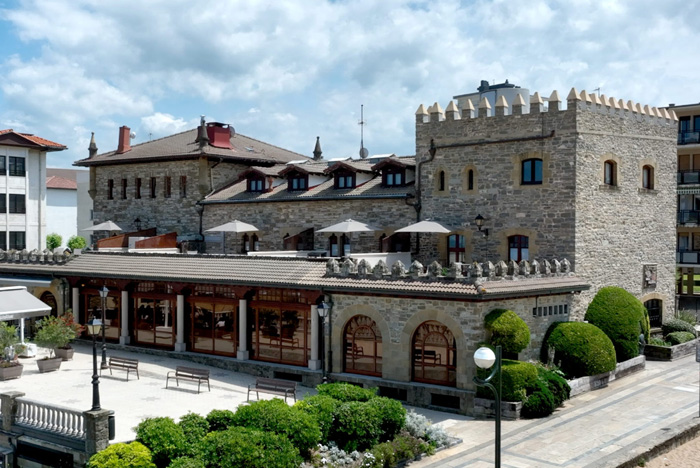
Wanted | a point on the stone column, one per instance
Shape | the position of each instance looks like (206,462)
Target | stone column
(96,430)
(180,324)
(8,406)
(314,362)
(75,303)
(124,338)
(243,353)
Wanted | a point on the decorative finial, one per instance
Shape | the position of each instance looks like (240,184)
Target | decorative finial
(317,150)
(92,149)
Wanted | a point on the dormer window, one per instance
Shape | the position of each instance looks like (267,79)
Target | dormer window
(256,184)
(393,176)
(297,182)
(344,180)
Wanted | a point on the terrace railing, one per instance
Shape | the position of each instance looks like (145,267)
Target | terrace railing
(51,418)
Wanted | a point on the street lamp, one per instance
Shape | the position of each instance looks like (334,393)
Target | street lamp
(93,328)
(485,358)
(103,294)
(323,309)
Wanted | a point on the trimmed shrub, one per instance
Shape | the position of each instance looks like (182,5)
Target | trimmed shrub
(195,427)
(677,338)
(518,377)
(53,241)
(240,446)
(677,325)
(540,403)
(357,426)
(133,455)
(580,349)
(557,385)
(507,330)
(187,462)
(322,408)
(392,415)
(344,392)
(278,417)
(622,317)
(76,242)
(164,439)
(220,420)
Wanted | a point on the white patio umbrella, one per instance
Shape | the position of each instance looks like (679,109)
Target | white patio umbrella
(106,226)
(349,225)
(425,226)
(233,226)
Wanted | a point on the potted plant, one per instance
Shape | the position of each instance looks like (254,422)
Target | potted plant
(66,351)
(53,332)
(10,368)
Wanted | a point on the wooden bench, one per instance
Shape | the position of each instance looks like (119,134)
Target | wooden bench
(124,364)
(189,373)
(273,386)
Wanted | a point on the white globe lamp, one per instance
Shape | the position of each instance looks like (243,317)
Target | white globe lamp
(484,357)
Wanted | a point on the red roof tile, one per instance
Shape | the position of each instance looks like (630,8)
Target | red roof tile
(35,139)
(56,182)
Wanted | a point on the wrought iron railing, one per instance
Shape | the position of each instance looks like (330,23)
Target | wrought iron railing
(51,418)
(688,256)
(687,138)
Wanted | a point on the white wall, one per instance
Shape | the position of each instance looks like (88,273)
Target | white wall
(85,206)
(62,213)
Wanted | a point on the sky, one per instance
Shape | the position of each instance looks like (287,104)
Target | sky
(287,71)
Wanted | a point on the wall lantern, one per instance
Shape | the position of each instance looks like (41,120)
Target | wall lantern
(137,223)
(479,221)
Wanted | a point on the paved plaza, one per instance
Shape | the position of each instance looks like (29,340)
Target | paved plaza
(605,428)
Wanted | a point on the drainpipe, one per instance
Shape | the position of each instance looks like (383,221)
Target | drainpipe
(417,201)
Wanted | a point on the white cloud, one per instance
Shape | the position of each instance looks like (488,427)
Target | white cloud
(159,124)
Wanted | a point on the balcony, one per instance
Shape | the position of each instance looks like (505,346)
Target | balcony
(688,257)
(688,216)
(688,138)
(688,177)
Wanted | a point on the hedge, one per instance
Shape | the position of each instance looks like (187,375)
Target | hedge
(518,377)
(391,414)
(677,338)
(195,427)
(507,330)
(133,455)
(220,420)
(239,446)
(164,439)
(677,325)
(322,408)
(622,317)
(344,392)
(540,403)
(187,462)
(357,426)
(580,349)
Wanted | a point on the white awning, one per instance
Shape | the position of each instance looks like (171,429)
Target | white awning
(24,281)
(16,303)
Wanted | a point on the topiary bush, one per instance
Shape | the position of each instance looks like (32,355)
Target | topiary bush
(518,376)
(53,241)
(187,462)
(344,392)
(164,439)
(322,408)
(195,427)
(677,325)
(276,416)
(622,317)
(76,242)
(556,383)
(243,447)
(507,330)
(133,455)
(392,416)
(677,338)
(580,349)
(357,426)
(220,420)
(540,403)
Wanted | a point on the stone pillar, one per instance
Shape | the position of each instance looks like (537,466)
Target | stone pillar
(314,362)
(124,334)
(180,324)
(243,353)
(8,406)
(75,303)
(96,430)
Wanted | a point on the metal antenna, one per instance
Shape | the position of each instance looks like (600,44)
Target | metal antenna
(597,89)
(363,151)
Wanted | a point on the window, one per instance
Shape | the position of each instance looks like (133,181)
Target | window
(434,354)
(302,241)
(470,179)
(455,249)
(280,333)
(3,240)
(17,240)
(393,177)
(214,324)
(344,180)
(167,186)
(92,215)
(339,250)
(110,189)
(532,171)
(610,173)
(363,346)
(124,185)
(441,181)
(297,182)
(250,243)
(17,204)
(684,124)
(655,308)
(17,166)
(153,320)
(153,187)
(648,177)
(138,187)
(518,248)
(2,165)
(3,203)
(183,186)
(255,184)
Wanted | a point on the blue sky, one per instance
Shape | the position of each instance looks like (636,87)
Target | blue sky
(286,71)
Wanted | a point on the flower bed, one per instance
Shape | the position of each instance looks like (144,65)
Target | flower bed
(669,353)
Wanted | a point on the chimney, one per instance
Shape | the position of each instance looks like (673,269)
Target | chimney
(219,135)
(124,140)
(318,154)
(202,137)
(92,149)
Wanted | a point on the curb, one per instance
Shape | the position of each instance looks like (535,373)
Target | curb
(674,437)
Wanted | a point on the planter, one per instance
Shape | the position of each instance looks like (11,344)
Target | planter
(48,365)
(66,354)
(12,372)
(670,353)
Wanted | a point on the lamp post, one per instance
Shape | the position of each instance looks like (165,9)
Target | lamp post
(93,327)
(103,294)
(323,309)
(485,358)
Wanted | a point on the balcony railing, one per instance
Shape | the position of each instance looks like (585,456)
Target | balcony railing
(688,138)
(688,216)
(688,177)
(688,257)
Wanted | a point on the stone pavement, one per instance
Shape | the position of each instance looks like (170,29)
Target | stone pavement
(606,428)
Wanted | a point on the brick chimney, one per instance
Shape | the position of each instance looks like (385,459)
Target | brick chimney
(124,144)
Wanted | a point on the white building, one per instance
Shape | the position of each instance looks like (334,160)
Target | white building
(23,189)
(63,210)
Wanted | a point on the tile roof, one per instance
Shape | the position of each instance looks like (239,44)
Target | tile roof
(183,146)
(42,142)
(56,182)
(280,272)
(71,174)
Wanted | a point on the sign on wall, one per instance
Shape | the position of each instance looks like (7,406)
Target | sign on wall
(649,280)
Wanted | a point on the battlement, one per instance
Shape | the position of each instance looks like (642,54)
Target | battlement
(35,256)
(575,101)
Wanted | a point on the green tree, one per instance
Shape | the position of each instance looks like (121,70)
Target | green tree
(53,241)
(76,242)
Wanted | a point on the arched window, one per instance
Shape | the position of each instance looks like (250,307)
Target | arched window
(610,173)
(655,308)
(470,179)
(531,171)
(455,249)
(648,177)
(49,299)
(518,248)
(434,350)
(441,181)
(363,346)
